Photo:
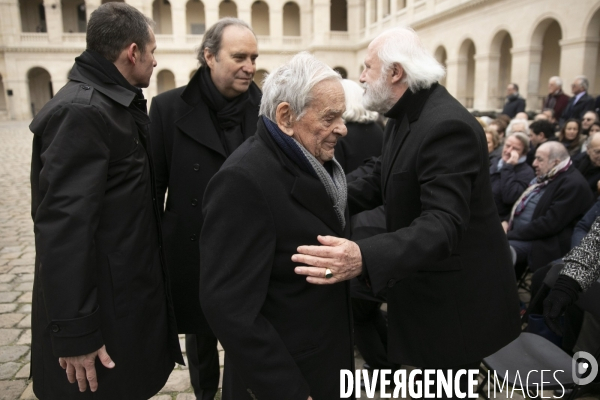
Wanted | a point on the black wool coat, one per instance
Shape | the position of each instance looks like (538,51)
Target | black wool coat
(187,153)
(445,260)
(508,184)
(585,104)
(362,142)
(284,338)
(514,106)
(564,202)
(99,272)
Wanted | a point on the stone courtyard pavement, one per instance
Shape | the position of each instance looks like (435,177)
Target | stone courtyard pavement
(17,254)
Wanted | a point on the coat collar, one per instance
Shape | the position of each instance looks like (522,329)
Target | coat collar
(307,190)
(113,91)
(197,122)
(410,104)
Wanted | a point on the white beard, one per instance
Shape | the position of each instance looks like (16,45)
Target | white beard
(378,96)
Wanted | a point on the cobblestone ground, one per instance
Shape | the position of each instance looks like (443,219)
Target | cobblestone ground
(17,254)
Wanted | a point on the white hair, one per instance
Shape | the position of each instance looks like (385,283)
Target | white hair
(355,111)
(402,46)
(509,129)
(556,80)
(293,83)
(583,82)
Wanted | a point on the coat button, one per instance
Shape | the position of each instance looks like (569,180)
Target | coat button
(193,237)
(391,282)
(194,202)
(55,328)
(85,87)
(196,167)
(136,140)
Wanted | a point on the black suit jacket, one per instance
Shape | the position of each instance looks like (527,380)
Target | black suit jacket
(585,104)
(445,260)
(187,153)
(564,202)
(284,338)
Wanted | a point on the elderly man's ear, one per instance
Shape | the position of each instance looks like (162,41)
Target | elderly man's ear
(285,118)
(397,72)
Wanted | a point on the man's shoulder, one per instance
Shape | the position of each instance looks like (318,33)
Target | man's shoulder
(170,96)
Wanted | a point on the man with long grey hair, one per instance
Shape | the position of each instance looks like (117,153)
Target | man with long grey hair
(283,337)
(444,259)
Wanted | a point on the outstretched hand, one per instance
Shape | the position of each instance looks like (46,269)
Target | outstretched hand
(342,257)
(82,368)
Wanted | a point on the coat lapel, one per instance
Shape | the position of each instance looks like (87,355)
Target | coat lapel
(205,134)
(397,140)
(309,192)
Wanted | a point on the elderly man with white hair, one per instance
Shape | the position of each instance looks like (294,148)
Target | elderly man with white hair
(444,259)
(580,102)
(283,337)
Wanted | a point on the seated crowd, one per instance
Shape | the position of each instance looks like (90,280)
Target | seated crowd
(545,175)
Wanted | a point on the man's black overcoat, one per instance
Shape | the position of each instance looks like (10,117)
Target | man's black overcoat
(99,277)
(182,126)
(284,338)
(452,296)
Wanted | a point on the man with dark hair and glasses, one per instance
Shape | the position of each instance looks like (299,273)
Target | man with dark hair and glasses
(101,303)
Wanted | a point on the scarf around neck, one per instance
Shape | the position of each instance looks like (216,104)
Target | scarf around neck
(335,184)
(229,113)
(536,185)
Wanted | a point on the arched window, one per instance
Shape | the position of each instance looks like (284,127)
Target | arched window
(73,16)
(227,8)
(165,80)
(40,89)
(33,15)
(291,19)
(260,18)
(466,74)
(161,14)
(338,15)
(342,71)
(194,15)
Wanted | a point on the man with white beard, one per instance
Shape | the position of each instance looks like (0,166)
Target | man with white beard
(445,260)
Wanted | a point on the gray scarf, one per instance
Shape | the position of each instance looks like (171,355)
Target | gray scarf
(336,188)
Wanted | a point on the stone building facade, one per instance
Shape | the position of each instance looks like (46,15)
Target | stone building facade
(484,44)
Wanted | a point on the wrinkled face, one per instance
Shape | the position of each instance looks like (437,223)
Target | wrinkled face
(512,144)
(321,125)
(143,69)
(542,164)
(593,151)
(233,68)
(378,92)
(552,87)
(490,142)
(571,130)
(588,119)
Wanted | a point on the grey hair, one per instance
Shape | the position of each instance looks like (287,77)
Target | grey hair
(556,151)
(524,140)
(214,35)
(402,46)
(355,111)
(557,81)
(583,81)
(509,129)
(114,26)
(293,83)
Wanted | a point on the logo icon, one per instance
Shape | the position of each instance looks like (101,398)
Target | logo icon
(585,368)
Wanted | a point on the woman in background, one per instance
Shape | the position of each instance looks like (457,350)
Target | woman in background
(570,136)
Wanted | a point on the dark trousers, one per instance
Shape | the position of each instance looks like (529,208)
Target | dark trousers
(370,333)
(203,362)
